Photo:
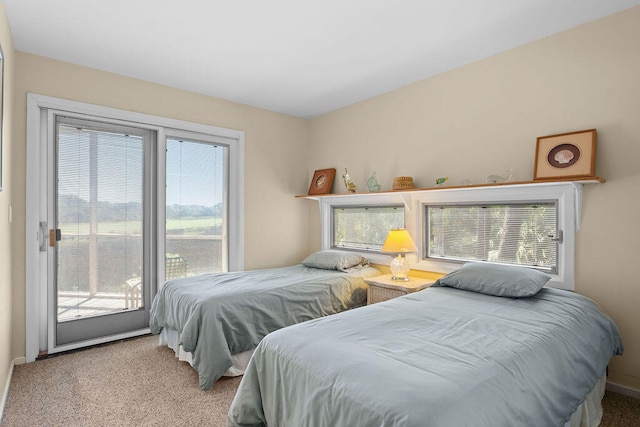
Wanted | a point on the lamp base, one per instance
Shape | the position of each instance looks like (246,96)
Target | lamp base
(399,269)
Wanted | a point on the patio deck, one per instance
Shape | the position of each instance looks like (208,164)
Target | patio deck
(76,306)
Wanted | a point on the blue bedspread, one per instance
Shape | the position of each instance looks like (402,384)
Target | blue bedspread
(440,357)
(218,315)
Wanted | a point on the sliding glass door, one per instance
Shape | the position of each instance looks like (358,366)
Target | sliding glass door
(117,202)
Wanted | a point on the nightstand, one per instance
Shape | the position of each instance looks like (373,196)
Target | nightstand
(382,288)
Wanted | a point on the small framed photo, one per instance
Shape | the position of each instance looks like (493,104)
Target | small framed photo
(565,156)
(322,181)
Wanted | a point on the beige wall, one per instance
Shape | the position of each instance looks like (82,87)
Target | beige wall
(8,145)
(483,118)
(274,145)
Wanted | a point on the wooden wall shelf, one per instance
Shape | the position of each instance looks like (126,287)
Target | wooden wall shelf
(590,180)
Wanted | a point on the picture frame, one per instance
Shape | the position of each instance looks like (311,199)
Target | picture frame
(322,181)
(565,156)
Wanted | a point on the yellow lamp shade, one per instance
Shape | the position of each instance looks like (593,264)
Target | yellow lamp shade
(399,241)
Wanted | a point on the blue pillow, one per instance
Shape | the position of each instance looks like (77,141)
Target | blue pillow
(334,260)
(495,279)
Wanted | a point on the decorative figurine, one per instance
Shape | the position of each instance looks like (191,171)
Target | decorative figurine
(441,181)
(372,183)
(493,179)
(348,182)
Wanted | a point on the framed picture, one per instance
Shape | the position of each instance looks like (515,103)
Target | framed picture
(566,156)
(322,181)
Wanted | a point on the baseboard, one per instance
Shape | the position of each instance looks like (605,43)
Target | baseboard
(624,390)
(5,391)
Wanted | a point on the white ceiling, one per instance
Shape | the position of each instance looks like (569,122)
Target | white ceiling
(297,57)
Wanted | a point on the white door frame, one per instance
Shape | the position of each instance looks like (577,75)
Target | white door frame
(37,171)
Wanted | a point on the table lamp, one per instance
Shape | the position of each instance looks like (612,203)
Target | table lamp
(399,242)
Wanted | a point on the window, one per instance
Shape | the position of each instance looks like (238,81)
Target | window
(538,222)
(548,213)
(100,215)
(196,208)
(515,233)
(365,227)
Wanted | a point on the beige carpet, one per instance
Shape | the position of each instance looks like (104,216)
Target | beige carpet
(620,411)
(138,383)
(129,383)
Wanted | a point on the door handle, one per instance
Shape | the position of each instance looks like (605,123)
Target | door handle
(42,236)
(55,235)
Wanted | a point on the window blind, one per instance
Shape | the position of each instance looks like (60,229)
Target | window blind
(365,227)
(521,234)
(99,209)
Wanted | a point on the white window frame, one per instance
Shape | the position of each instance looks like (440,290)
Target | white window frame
(564,194)
(234,260)
(39,125)
(567,195)
(354,200)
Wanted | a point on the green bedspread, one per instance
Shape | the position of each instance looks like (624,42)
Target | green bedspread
(440,357)
(218,315)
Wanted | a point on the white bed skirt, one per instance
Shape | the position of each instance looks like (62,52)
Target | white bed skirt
(171,338)
(589,413)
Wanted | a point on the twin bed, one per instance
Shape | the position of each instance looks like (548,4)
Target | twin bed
(215,321)
(486,345)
